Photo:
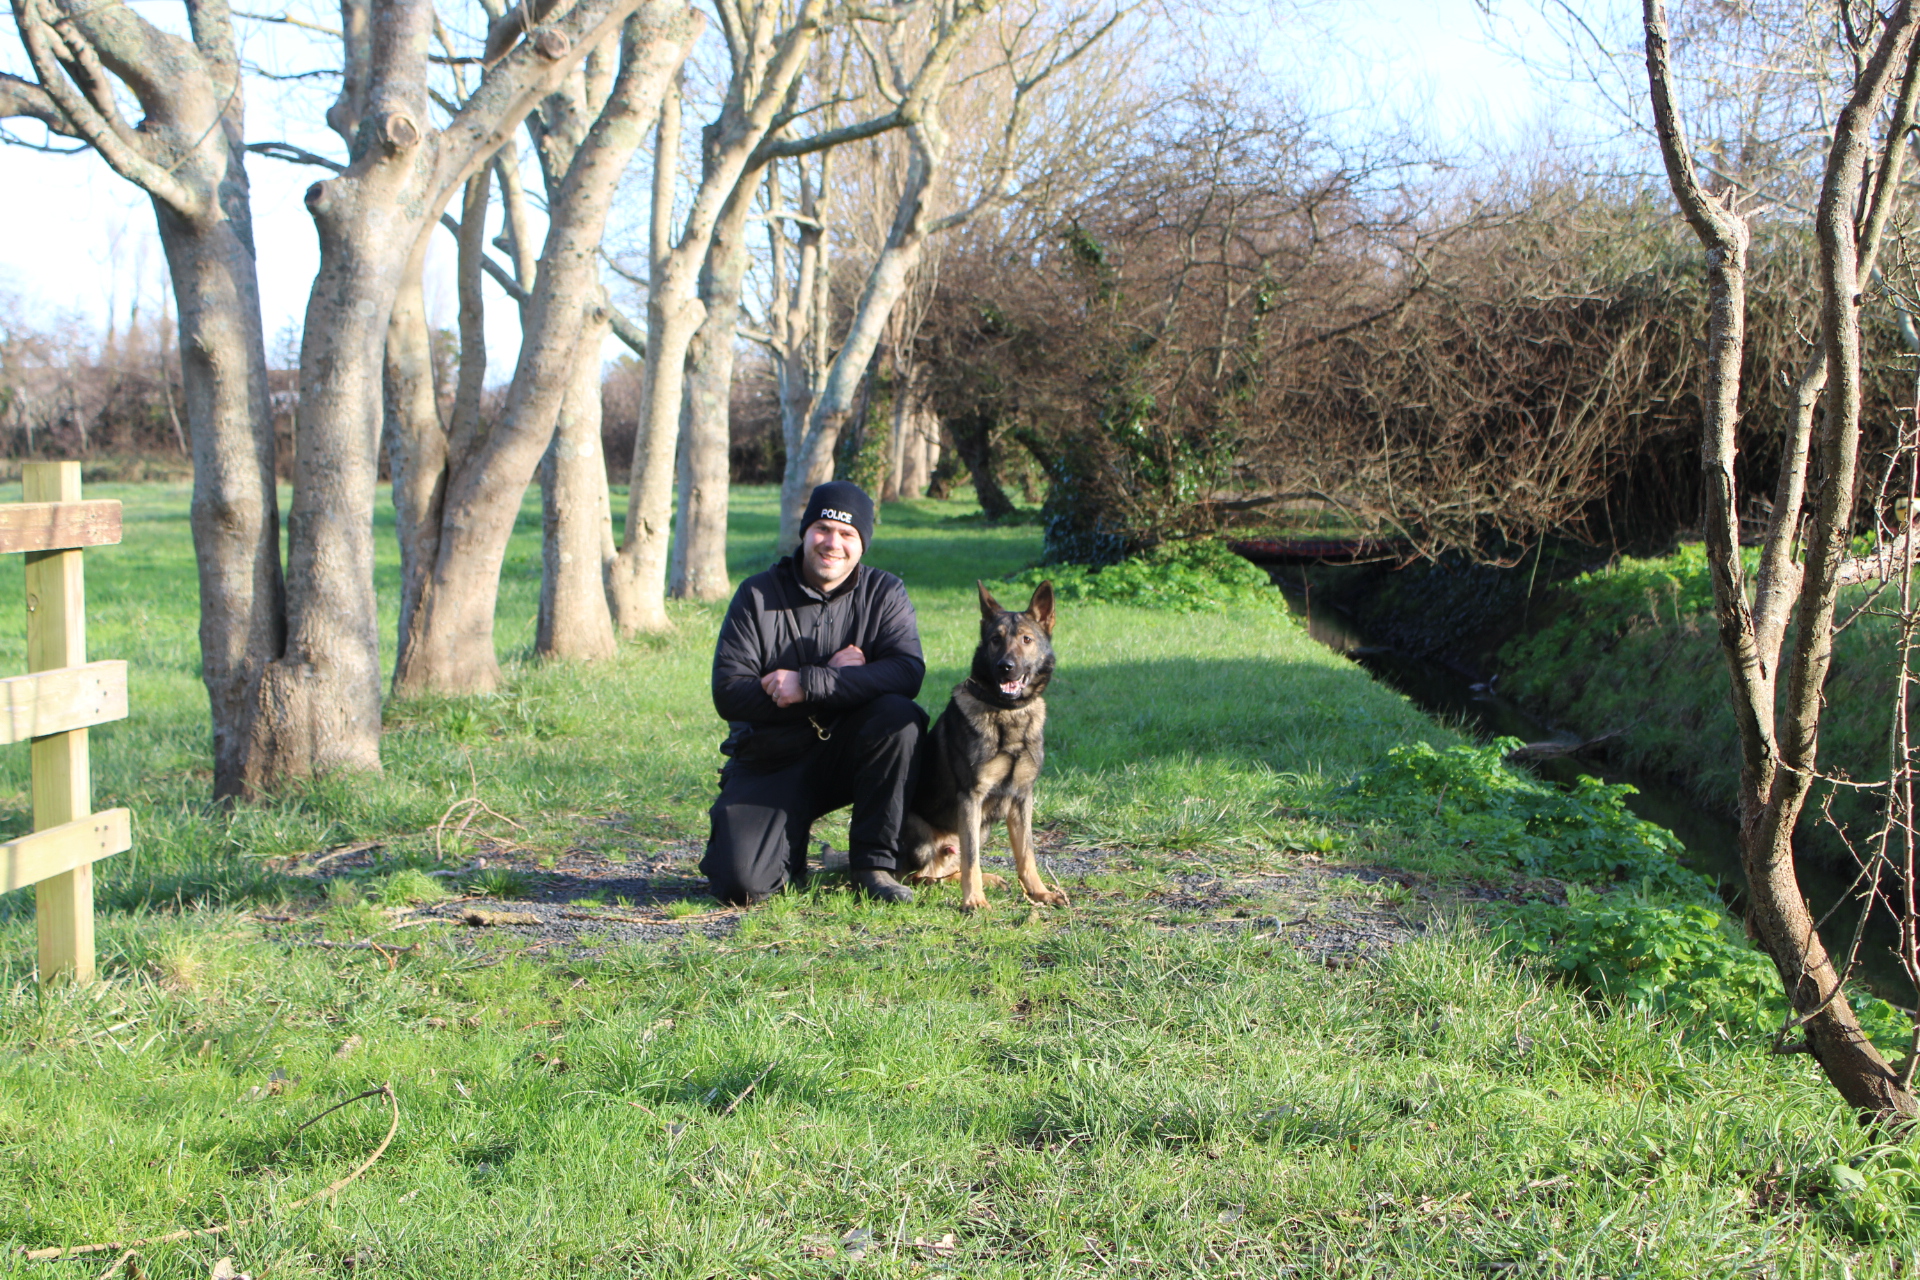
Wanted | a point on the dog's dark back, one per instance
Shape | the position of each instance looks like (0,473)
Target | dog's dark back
(991,735)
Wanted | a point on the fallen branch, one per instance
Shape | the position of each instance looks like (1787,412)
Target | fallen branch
(364,944)
(474,806)
(292,864)
(1555,750)
(661,919)
(751,1086)
(190,1233)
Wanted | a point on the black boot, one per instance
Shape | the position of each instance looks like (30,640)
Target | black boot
(882,886)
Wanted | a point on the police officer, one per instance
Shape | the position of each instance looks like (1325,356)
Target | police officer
(815,672)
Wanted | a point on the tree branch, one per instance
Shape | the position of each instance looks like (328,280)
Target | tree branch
(25,100)
(294,155)
(44,47)
(629,332)
(515,83)
(287,19)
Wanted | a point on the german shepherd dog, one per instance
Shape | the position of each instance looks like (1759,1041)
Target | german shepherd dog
(983,755)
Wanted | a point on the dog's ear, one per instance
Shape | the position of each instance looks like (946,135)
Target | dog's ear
(989,607)
(1040,608)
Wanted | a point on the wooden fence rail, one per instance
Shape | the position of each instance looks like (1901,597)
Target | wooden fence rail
(52,707)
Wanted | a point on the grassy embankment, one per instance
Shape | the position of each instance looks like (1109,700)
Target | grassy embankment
(1026,1093)
(1633,647)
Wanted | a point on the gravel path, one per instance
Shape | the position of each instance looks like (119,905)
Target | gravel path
(585,902)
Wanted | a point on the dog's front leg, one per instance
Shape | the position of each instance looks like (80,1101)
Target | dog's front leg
(974,891)
(1025,865)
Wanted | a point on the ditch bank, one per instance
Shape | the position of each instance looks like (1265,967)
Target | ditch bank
(1613,671)
(1620,656)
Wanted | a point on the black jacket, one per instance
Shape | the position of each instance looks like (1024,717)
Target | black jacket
(776,622)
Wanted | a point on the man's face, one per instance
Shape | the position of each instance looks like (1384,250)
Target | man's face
(829,550)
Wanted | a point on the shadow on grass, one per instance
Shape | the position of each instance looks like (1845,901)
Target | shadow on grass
(1288,715)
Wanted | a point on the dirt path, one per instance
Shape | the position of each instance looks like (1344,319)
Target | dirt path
(586,902)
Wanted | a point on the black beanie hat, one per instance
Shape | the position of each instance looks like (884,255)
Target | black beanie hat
(844,501)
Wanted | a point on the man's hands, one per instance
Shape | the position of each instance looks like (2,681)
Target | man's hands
(783,686)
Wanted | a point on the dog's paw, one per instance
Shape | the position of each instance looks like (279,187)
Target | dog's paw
(1051,898)
(993,881)
(974,902)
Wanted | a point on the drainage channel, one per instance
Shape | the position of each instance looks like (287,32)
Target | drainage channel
(1711,839)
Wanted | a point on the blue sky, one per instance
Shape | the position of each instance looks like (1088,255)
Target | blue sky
(80,240)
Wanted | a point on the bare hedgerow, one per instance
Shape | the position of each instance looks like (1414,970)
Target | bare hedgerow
(1246,321)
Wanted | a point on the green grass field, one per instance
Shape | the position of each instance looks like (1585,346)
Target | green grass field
(839,1088)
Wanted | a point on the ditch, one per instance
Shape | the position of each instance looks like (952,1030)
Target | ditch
(1474,706)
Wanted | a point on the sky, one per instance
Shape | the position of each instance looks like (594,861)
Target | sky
(77,240)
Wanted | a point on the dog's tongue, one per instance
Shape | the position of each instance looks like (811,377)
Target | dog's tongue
(1014,688)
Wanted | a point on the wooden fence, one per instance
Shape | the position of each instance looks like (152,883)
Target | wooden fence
(52,706)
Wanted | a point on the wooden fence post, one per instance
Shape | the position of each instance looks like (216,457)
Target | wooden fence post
(62,774)
(51,707)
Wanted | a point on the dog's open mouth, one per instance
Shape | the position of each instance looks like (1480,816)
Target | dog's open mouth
(1013,688)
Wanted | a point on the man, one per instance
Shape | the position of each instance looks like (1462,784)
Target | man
(815,672)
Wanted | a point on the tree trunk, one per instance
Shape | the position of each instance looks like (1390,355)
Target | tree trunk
(236,511)
(700,525)
(812,462)
(917,428)
(575,621)
(488,480)
(187,155)
(898,420)
(416,442)
(640,577)
(320,703)
(973,441)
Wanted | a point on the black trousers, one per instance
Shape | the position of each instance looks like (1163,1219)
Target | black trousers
(757,842)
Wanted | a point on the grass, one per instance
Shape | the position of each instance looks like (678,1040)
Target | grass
(836,1085)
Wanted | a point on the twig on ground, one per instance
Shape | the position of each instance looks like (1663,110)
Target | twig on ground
(752,1085)
(292,864)
(364,944)
(190,1233)
(661,919)
(130,1260)
(474,806)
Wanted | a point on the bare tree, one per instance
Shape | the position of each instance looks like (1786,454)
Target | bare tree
(699,565)
(766,56)
(450,644)
(187,154)
(1779,736)
(914,70)
(320,702)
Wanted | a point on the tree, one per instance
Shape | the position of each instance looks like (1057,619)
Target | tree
(294,679)
(448,645)
(188,155)
(765,59)
(1814,505)
(914,70)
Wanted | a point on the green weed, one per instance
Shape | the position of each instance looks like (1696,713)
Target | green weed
(409,886)
(1507,817)
(501,882)
(1199,574)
